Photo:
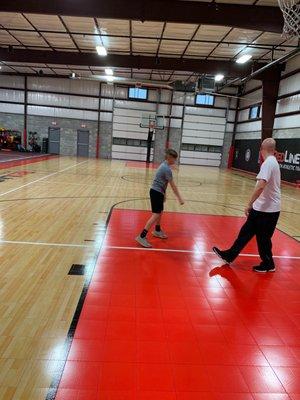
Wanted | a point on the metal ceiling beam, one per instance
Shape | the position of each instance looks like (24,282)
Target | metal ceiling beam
(122,36)
(228,68)
(262,18)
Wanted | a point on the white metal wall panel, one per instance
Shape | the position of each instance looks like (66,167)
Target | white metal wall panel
(202,134)
(130,128)
(130,153)
(212,112)
(16,96)
(288,104)
(107,104)
(64,85)
(106,117)
(202,128)
(249,127)
(178,98)
(121,92)
(135,105)
(200,162)
(62,100)
(200,155)
(290,84)
(127,156)
(291,121)
(204,141)
(12,108)
(133,135)
(107,90)
(292,65)
(152,95)
(12,81)
(163,109)
(130,149)
(206,120)
(175,123)
(62,113)
(177,111)
(165,96)
(126,124)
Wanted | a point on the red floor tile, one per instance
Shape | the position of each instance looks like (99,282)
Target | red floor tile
(117,376)
(119,351)
(185,353)
(154,395)
(177,326)
(191,378)
(157,377)
(271,396)
(290,378)
(153,352)
(262,380)
(227,379)
(280,356)
(81,375)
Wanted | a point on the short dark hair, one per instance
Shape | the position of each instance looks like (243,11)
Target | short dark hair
(172,153)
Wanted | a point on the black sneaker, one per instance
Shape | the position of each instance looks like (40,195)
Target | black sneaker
(263,268)
(222,255)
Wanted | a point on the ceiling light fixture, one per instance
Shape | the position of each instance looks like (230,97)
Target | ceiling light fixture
(243,59)
(101,50)
(109,71)
(219,77)
(110,78)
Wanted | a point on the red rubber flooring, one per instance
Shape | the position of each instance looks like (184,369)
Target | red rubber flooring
(12,159)
(164,325)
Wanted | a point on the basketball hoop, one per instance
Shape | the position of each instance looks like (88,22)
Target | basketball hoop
(291,15)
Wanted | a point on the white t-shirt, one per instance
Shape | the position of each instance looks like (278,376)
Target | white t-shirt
(269,200)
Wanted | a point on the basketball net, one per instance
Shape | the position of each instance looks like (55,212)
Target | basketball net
(291,15)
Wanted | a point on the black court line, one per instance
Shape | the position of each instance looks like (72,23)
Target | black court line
(60,365)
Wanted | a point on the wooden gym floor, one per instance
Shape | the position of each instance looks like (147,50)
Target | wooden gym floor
(164,324)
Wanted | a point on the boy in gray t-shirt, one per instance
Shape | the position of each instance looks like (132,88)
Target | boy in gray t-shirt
(163,176)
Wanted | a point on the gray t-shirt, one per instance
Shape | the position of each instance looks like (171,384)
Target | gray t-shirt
(162,177)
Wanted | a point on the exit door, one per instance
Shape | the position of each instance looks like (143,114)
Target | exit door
(83,139)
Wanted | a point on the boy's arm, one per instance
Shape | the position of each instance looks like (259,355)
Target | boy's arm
(176,192)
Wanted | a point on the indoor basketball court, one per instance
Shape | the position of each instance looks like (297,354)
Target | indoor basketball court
(92,96)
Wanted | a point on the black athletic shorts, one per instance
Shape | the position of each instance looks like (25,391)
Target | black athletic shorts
(157,201)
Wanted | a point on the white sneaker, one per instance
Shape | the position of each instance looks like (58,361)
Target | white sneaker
(143,241)
(160,234)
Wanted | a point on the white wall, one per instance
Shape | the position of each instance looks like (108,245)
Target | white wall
(284,126)
(81,100)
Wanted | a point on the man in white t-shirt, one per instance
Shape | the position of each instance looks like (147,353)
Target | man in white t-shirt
(262,211)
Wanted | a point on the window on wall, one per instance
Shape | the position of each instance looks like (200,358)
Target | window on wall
(131,142)
(254,112)
(201,148)
(137,93)
(203,99)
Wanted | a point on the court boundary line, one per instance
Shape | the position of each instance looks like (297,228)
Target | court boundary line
(196,252)
(42,178)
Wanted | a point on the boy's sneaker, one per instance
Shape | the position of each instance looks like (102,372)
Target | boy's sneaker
(262,268)
(222,254)
(143,241)
(160,234)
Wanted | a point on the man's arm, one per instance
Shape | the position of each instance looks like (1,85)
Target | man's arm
(176,192)
(260,185)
